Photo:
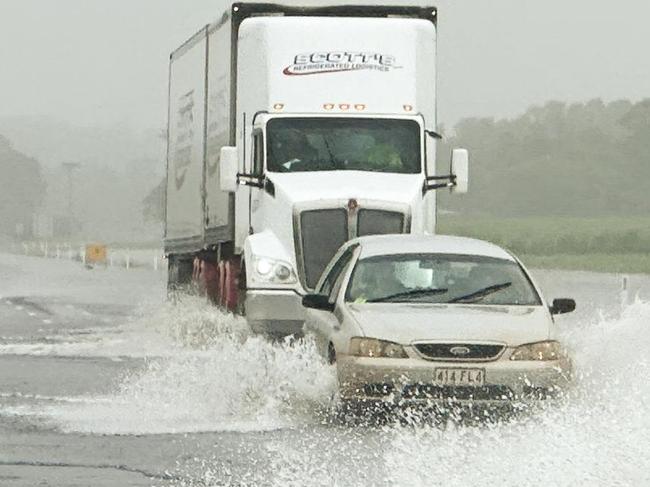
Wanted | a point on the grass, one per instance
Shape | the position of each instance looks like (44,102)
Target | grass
(608,244)
(615,263)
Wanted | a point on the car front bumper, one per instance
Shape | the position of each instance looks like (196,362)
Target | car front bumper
(414,379)
(275,313)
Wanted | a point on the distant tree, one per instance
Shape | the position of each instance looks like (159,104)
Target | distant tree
(21,191)
(153,210)
(557,159)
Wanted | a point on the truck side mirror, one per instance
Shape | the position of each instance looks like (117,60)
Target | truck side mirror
(229,165)
(460,170)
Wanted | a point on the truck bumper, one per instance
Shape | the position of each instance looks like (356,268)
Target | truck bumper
(275,313)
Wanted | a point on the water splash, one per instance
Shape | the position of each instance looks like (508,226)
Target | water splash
(597,436)
(206,372)
(218,378)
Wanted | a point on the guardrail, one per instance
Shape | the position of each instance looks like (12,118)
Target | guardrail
(125,258)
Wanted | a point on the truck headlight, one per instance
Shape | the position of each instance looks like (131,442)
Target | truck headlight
(541,351)
(273,271)
(371,347)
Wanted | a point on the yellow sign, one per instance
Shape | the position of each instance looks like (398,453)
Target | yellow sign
(95,254)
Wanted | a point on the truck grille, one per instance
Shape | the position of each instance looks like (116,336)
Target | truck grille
(379,222)
(472,351)
(322,233)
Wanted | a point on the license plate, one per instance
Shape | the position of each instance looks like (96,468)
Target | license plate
(460,377)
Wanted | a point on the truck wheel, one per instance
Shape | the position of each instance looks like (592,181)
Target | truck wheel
(221,286)
(179,274)
(209,280)
(241,291)
(231,284)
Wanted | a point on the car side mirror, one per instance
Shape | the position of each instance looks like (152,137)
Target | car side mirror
(460,170)
(563,306)
(229,165)
(317,301)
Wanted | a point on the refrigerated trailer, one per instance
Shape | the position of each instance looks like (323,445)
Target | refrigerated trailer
(292,130)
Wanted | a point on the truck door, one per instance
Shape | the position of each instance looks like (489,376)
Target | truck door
(257,170)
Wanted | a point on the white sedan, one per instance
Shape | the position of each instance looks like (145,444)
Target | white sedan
(436,318)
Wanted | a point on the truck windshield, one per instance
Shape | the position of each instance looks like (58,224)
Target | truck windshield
(335,144)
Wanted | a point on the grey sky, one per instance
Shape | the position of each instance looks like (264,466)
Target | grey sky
(90,62)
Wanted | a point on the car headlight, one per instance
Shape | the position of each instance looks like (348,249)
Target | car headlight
(541,351)
(371,347)
(267,270)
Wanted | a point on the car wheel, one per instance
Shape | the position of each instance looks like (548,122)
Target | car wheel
(331,354)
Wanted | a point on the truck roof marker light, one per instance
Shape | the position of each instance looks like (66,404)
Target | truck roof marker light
(359,107)
(328,106)
(344,106)
(278,106)
(408,108)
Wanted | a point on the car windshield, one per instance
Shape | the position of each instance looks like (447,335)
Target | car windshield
(440,278)
(353,144)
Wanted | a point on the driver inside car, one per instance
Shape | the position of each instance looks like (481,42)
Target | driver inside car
(377,281)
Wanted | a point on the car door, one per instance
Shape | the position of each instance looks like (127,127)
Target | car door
(323,324)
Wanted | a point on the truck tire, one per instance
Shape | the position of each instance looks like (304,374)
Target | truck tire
(209,279)
(230,291)
(179,274)
(241,291)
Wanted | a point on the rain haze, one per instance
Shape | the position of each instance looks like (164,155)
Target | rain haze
(319,287)
(102,63)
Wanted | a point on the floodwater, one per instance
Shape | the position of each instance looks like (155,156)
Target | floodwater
(103,383)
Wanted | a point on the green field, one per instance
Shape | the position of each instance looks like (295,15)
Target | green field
(607,244)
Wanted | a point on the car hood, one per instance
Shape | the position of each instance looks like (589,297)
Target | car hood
(407,323)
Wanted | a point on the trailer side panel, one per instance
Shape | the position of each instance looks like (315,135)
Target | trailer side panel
(186,147)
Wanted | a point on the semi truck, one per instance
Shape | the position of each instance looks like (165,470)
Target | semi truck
(292,130)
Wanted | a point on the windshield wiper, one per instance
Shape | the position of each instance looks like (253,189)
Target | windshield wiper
(410,294)
(333,160)
(481,293)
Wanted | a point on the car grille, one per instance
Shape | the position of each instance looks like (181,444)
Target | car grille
(473,351)
(379,222)
(459,393)
(322,233)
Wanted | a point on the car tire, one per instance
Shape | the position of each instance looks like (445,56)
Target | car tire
(331,354)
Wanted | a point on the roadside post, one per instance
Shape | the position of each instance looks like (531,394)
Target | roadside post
(625,293)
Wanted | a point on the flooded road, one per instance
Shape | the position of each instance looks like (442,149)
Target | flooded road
(103,383)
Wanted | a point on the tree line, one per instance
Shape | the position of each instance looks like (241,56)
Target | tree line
(559,159)
(21,190)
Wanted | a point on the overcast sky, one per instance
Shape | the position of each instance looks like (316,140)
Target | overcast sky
(90,62)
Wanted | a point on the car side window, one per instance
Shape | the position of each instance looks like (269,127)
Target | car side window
(338,282)
(336,271)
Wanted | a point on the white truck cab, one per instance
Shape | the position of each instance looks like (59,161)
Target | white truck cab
(330,134)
